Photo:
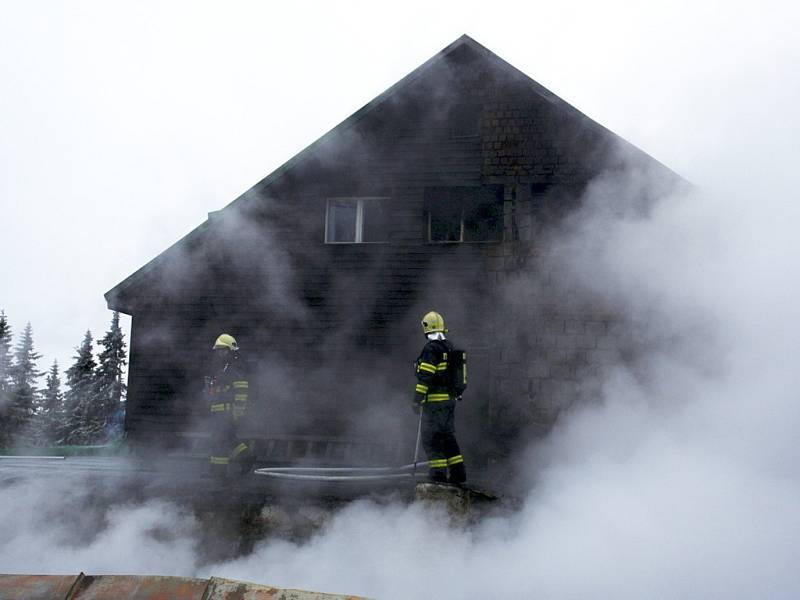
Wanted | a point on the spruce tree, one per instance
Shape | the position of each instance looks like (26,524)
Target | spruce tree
(24,394)
(52,415)
(5,351)
(109,386)
(6,363)
(79,398)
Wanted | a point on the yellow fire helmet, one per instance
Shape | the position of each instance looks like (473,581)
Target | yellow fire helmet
(433,322)
(227,342)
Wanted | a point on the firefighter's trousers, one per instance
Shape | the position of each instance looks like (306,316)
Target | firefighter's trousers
(439,441)
(229,455)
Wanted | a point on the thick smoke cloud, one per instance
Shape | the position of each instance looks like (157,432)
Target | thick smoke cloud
(66,524)
(679,481)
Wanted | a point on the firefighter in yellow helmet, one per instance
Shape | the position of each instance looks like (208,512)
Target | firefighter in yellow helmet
(435,395)
(227,392)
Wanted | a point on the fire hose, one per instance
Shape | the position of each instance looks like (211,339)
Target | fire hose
(349,473)
(341,473)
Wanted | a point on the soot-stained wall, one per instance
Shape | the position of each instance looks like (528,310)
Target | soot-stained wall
(330,330)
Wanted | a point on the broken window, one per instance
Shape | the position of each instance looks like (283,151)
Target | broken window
(465,214)
(444,216)
(357,220)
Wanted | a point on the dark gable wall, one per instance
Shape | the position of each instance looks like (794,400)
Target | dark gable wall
(330,331)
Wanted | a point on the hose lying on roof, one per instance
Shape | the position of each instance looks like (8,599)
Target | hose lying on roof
(343,473)
(31,457)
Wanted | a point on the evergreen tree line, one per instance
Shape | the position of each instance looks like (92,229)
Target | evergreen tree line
(88,411)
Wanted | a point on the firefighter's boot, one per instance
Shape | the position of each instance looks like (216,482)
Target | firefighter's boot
(458,473)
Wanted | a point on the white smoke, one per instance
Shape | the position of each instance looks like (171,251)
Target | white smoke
(64,525)
(681,482)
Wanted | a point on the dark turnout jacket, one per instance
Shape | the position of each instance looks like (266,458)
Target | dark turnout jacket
(433,379)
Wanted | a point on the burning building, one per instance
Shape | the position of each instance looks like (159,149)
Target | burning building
(442,193)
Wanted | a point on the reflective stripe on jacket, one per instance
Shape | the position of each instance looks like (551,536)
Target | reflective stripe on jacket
(433,383)
(228,393)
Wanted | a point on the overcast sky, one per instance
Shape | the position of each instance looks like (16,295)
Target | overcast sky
(123,124)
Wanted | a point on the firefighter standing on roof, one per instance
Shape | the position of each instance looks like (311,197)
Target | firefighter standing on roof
(227,392)
(435,395)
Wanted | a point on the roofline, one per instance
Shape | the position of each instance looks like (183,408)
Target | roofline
(362,112)
(112,295)
(559,102)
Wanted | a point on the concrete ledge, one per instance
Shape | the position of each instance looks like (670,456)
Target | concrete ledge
(462,502)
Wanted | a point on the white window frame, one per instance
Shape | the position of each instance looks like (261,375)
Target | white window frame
(360,200)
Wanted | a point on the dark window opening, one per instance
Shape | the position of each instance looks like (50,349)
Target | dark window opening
(357,220)
(483,220)
(445,216)
(465,214)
